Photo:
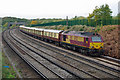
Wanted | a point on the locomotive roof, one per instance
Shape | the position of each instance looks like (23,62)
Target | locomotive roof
(80,33)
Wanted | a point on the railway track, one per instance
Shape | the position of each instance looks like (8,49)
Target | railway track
(111,59)
(105,71)
(108,61)
(58,63)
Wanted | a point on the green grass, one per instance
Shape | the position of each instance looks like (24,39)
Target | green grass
(7,72)
(0,55)
(0,29)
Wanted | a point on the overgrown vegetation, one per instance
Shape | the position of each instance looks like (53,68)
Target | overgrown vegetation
(7,72)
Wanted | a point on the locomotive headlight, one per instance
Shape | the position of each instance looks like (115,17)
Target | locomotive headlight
(92,46)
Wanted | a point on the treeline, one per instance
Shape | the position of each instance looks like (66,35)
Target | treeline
(29,22)
(12,19)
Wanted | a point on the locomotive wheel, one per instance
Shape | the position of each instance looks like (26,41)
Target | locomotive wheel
(74,48)
(82,51)
(79,50)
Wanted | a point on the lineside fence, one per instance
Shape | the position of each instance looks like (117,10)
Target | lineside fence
(82,22)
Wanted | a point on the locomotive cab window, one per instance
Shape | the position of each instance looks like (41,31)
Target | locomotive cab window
(96,39)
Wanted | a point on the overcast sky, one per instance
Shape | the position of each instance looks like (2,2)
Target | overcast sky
(52,8)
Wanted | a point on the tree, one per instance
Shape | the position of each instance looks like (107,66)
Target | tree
(33,22)
(6,24)
(105,14)
(101,15)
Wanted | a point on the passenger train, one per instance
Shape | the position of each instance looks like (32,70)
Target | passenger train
(85,42)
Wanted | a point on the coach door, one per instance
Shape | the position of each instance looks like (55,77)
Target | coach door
(64,37)
(86,41)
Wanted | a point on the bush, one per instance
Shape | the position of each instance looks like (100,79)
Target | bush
(97,29)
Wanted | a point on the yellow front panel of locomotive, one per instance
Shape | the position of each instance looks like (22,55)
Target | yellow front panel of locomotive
(94,45)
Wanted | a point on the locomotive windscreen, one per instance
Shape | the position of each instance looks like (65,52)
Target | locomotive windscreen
(95,38)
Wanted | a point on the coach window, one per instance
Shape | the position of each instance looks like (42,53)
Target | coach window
(54,35)
(64,37)
(57,35)
(39,33)
(49,34)
(45,33)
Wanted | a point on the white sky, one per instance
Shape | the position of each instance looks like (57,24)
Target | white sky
(52,8)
